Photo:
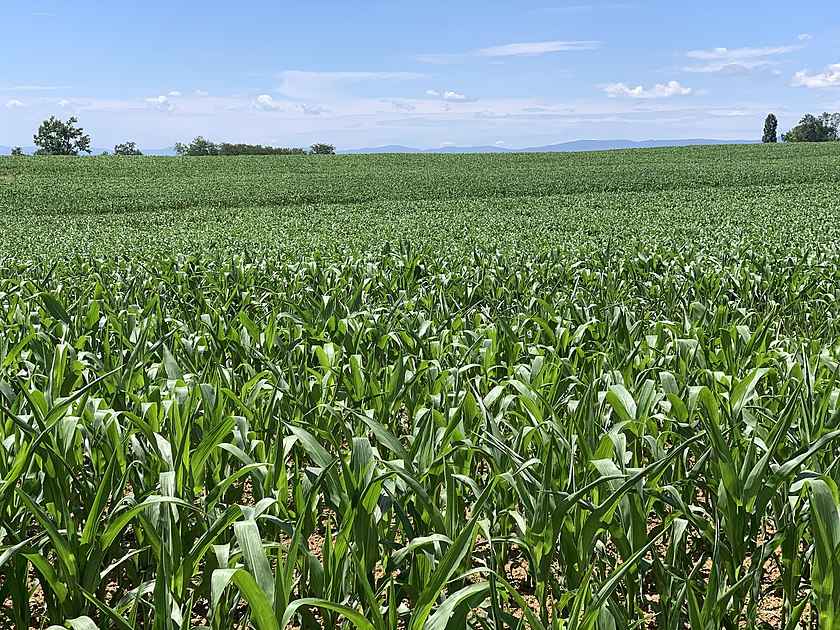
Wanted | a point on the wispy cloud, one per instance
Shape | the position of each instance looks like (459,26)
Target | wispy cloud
(34,88)
(738,62)
(14,103)
(737,54)
(400,104)
(804,37)
(829,78)
(304,84)
(660,90)
(175,93)
(585,8)
(536,48)
(530,49)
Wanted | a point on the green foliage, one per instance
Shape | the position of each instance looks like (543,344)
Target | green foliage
(17,151)
(127,148)
(584,391)
(320,148)
(200,146)
(822,128)
(61,138)
(771,125)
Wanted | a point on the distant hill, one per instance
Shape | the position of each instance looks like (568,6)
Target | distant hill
(574,145)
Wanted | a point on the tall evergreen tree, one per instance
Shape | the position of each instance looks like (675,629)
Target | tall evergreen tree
(771,124)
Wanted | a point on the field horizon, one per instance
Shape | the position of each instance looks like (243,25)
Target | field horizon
(586,391)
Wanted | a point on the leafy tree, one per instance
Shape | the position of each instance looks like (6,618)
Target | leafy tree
(823,128)
(61,138)
(771,124)
(127,148)
(199,146)
(321,148)
(17,151)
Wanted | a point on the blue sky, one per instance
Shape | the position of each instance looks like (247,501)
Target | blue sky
(419,73)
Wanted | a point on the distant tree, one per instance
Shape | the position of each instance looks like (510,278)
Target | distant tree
(771,125)
(127,148)
(61,138)
(199,146)
(321,148)
(822,128)
(17,151)
(226,148)
(202,146)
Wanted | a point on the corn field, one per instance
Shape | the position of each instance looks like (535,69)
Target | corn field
(577,403)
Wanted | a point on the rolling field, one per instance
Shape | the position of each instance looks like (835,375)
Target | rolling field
(578,391)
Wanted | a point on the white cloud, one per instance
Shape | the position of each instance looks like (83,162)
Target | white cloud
(267,103)
(755,61)
(175,93)
(828,78)
(161,103)
(13,104)
(536,48)
(202,93)
(804,37)
(450,96)
(672,88)
(65,104)
(454,96)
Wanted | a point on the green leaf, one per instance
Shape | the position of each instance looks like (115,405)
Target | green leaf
(256,563)
(262,614)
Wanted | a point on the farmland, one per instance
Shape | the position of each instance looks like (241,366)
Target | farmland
(487,391)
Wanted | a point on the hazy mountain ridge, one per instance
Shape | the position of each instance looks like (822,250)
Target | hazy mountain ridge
(573,145)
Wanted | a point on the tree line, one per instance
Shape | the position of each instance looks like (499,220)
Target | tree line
(202,146)
(822,128)
(57,137)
